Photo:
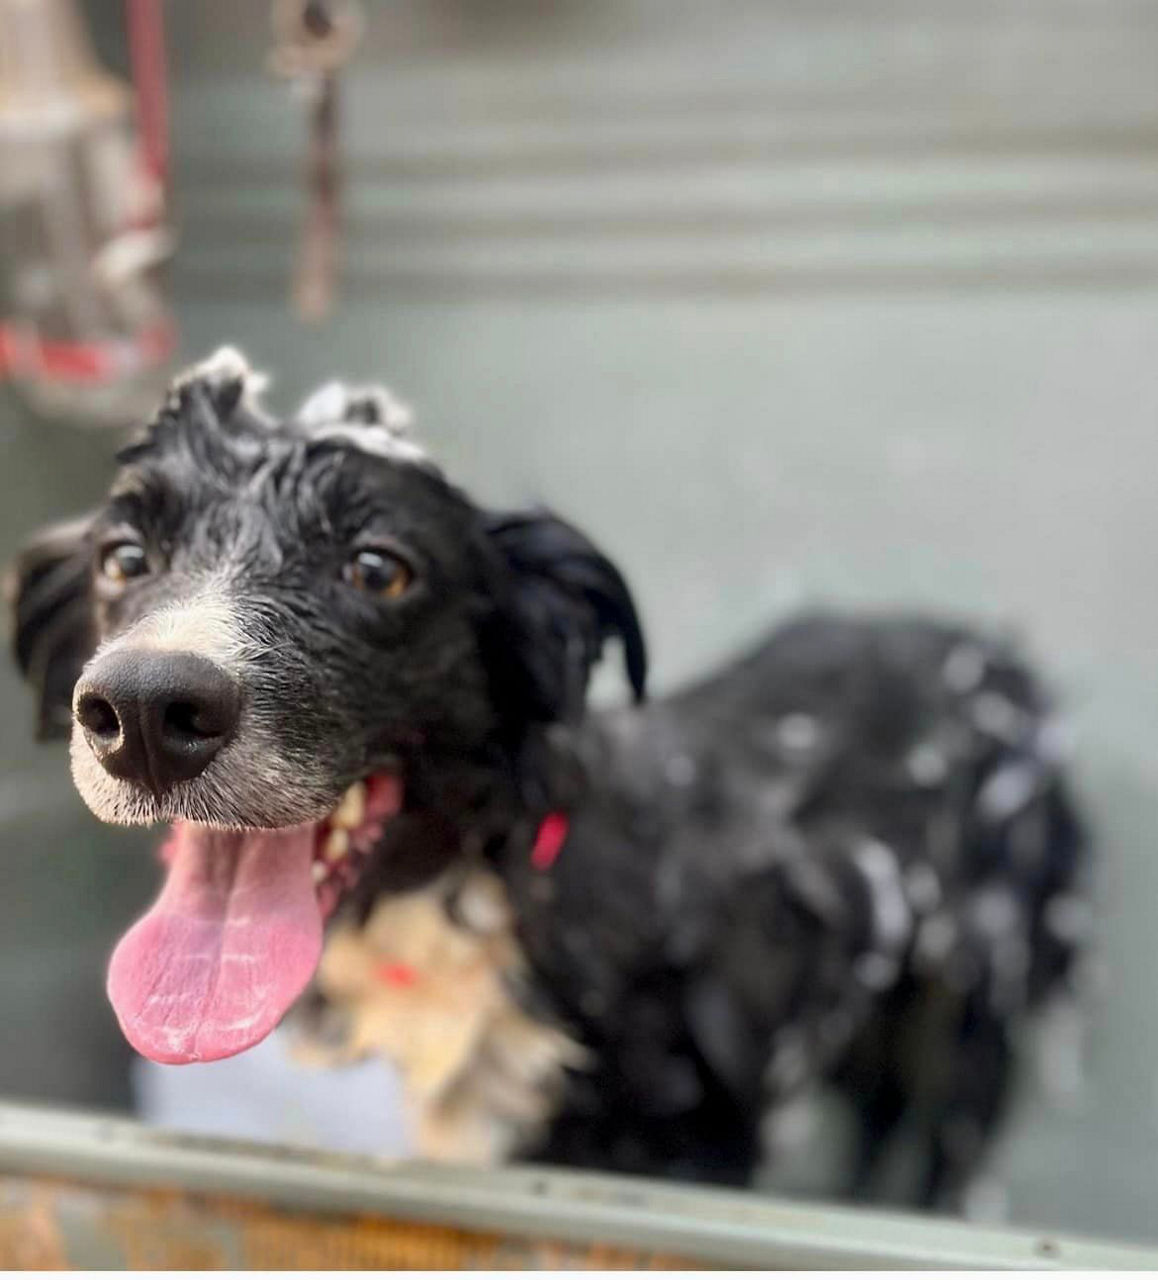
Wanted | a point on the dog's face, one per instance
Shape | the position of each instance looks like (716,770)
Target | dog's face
(337,592)
(260,638)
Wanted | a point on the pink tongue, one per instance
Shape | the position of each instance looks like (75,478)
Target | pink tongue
(225,950)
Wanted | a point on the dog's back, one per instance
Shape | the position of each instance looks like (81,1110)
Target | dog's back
(851,854)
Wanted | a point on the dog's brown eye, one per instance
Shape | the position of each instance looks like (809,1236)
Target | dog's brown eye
(123,561)
(380,572)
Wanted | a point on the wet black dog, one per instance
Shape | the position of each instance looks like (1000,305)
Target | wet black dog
(353,692)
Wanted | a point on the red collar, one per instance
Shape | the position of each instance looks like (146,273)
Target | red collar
(549,840)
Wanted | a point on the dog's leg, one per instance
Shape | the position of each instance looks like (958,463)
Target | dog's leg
(879,1112)
(970,1108)
(874,1078)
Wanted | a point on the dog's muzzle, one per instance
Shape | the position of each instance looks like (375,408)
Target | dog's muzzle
(156,718)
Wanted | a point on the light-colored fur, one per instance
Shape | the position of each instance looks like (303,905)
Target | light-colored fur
(434,996)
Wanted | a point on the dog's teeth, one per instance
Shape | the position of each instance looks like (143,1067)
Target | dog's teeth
(337,845)
(351,808)
(319,871)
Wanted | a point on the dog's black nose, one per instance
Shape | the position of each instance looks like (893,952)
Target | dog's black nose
(156,717)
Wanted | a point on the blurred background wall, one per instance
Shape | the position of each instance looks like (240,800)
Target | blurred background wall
(785,302)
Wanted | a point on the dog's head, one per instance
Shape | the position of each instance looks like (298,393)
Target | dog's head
(269,634)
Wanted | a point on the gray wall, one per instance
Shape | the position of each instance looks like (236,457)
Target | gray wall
(784,302)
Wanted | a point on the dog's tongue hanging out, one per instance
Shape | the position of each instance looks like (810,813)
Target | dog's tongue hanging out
(226,949)
(215,963)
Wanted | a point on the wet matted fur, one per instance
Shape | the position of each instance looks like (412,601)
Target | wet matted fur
(850,855)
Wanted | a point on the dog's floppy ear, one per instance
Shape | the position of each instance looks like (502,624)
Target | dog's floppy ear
(47,592)
(565,599)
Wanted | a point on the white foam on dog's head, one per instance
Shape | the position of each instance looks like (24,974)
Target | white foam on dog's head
(227,365)
(369,418)
(373,405)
